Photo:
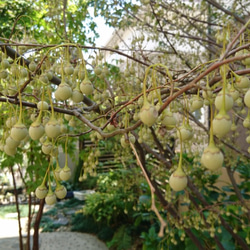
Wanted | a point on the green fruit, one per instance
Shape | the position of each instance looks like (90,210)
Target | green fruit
(3,74)
(125,142)
(248,139)
(57,172)
(50,198)
(5,64)
(207,94)
(234,93)
(47,147)
(229,101)
(9,151)
(242,82)
(127,73)
(178,180)
(246,122)
(65,173)
(168,119)
(86,87)
(212,158)
(45,120)
(32,66)
(11,143)
(77,96)
(185,132)
(63,92)
(98,70)
(67,117)
(81,74)
(10,121)
(63,129)
(42,105)
(247,98)
(23,73)
(43,78)
(221,124)
(234,127)
(196,103)
(41,192)
(60,191)
(52,128)
(36,130)
(148,114)
(49,74)
(19,132)
(54,151)
(68,69)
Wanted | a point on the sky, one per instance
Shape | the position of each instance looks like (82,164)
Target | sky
(102,29)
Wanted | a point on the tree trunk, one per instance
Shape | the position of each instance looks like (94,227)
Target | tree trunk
(36,225)
(17,209)
(29,224)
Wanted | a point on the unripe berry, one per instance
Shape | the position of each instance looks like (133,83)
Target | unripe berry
(212,158)
(148,114)
(36,130)
(19,132)
(42,105)
(65,173)
(178,180)
(86,87)
(50,198)
(60,192)
(221,125)
(63,92)
(41,191)
(52,128)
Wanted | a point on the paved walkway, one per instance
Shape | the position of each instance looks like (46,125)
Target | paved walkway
(59,240)
(48,241)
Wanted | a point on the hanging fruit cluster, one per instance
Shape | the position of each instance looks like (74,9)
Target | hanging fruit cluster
(156,105)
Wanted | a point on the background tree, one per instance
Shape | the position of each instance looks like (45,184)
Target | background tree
(147,105)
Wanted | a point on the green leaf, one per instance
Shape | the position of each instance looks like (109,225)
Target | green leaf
(121,239)
(227,188)
(190,244)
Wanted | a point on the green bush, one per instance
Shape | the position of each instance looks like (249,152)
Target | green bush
(87,224)
(7,209)
(118,211)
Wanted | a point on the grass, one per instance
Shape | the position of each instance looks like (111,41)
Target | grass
(10,209)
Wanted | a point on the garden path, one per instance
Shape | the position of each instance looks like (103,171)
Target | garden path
(61,238)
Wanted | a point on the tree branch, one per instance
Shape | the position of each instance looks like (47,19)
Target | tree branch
(236,190)
(198,195)
(64,19)
(218,6)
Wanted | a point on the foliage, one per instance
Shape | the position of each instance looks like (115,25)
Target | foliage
(48,225)
(121,240)
(7,209)
(45,22)
(9,11)
(151,240)
(87,224)
(115,207)
(113,202)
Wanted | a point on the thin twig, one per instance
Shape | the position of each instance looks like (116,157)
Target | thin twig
(152,189)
